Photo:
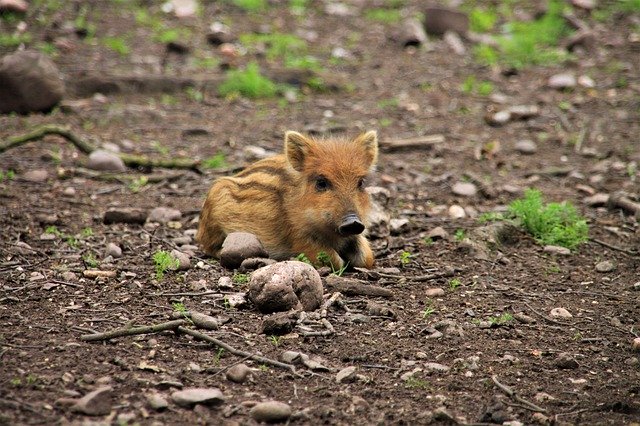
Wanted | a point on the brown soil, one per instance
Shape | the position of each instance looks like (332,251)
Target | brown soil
(42,315)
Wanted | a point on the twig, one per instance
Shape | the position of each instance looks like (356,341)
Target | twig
(512,394)
(412,143)
(350,287)
(445,274)
(87,148)
(612,247)
(131,331)
(238,352)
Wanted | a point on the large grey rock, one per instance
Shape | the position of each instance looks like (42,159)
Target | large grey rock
(192,396)
(164,215)
(96,403)
(239,246)
(284,286)
(105,161)
(271,412)
(29,82)
(439,20)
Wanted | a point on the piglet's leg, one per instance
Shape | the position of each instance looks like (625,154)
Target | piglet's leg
(358,253)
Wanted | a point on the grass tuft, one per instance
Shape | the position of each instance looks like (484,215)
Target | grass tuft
(249,83)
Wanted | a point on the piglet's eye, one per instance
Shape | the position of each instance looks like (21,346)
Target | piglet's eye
(322,184)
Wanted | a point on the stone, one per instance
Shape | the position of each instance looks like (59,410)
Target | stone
(29,82)
(454,41)
(35,176)
(225,283)
(105,161)
(219,33)
(457,212)
(605,266)
(164,215)
(411,33)
(271,412)
(237,300)
(464,189)
(565,361)
(278,324)
(438,233)
(540,419)
(192,396)
(439,20)
(586,81)
(498,118)
(239,246)
(557,250)
(562,81)
(560,313)
(184,261)
(523,112)
(526,146)
(596,200)
(113,250)
(254,263)
(584,4)
(284,286)
(399,225)
(239,373)
(14,6)
(96,403)
(346,375)
(434,292)
(379,219)
(157,401)
(125,215)
(635,345)
(436,367)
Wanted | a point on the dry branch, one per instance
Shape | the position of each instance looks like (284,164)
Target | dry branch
(350,287)
(132,331)
(87,148)
(512,394)
(420,142)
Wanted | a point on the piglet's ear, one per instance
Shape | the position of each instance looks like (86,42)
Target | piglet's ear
(296,147)
(369,142)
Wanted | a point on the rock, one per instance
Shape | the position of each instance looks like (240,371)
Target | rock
(192,396)
(412,33)
(456,212)
(105,161)
(96,403)
(454,41)
(635,345)
(225,283)
(498,118)
(434,366)
(113,250)
(560,313)
(284,286)
(29,82)
(378,221)
(399,226)
(434,292)
(125,215)
(605,266)
(239,373)
(523,112)
(596,200)
(584,4)
(13,6)
(254,263)
(237,300)
(239,246)
(464,189)
(526,146)
(565,361)
(69,191)
(339,9)
(157,401)
(36,176)
(541,419)
(438,233)
(561,251)
(271,412)
(181,8)
(562,81)
(23,248)
(346,375)
(278,324)
(379,310)
(183,259)
(439,20)
(219,33)
(379,194)
(164,215)
(586,81)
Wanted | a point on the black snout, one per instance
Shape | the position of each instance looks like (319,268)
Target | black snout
(351,225)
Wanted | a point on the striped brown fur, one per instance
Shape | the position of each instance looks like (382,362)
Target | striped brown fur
(297,202)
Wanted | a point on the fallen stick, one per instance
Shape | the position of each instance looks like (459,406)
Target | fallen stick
(618,200)
(87,148)
(350,287)
(132,331)
(412,143)
(512,394)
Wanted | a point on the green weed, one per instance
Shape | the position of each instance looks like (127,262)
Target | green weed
(240,278)
(117,44)
(218,356)
(298,7)
(472,86)
(217,161)
(137,184)
(303,258)
(8,175)
(459,235)
(554,223)
(249,83)
(482,21)
(386,16)
(251,5)
(490,217)
(405,258)
(503,319)
(90,260)
(194,94)
(275,340)
(163,262)
(324,260)
(415,383)
(14,40)
(428,311)
(454,283)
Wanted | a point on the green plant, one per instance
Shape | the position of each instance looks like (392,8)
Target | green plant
(482,21)
(502,319)
(459,235)
(8,175)
(490,217)
(550,224)
(428,311)
(454,283)
(90,260)
(164,261)
(161,149)
(303,258)
(386,16)
(87,232)
(405,258)
(325,260)
(275,340)
(298,7)
(471,85)
(428,241)
(251,5)
(415,383)
(117,44)
(249,83)
(179,307)
(217,161)
(218,356)
(52,229)
(240,278)
(14,40)
(194,94)
(263,367)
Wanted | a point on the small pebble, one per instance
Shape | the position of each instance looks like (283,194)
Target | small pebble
(346,375)
(238,373)
(113,250)
(605,266)
(526,146)
(635,345)
(456,212)
(434,292)
(464,189)
(271,412)
(560,313)
(562,251)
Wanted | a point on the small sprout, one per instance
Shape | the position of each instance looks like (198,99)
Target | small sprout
(8,175)
(249,83)
(179,307)
(428,311)
(137,184)
(194,94)
(459,235)
(16,381)
(164,262)
(490,217)
(217,161)
(502,319)
(416,383)
(52,229)
(405,258)
(263,367)
(90,260)
(428,241)
(275,340)
(303,258)
(118,45)
(454,283)
(87,232)
(240,278)
(218,356)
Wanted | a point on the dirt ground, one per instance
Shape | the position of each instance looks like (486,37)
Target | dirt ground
(492,320)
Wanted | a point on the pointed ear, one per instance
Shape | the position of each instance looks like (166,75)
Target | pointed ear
(296,147)
(369,142)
